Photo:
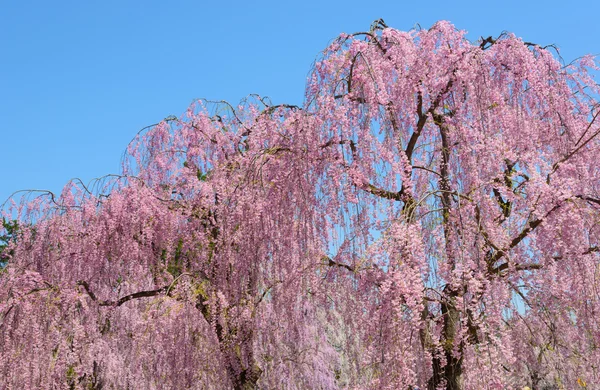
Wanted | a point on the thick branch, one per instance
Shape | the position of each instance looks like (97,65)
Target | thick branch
(392,114)
(331,263)
(484,233)
(589,199)
(383,193)
(412,142)
(519,267)
(486,43)
(444,171)
(126,298)
(524,233)
(505,205)
(588,251)
(332,142)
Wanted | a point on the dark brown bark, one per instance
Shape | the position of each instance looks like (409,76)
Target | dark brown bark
(452,372)
(453,352)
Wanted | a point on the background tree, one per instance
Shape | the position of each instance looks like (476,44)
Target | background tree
(11,229)
(428,218)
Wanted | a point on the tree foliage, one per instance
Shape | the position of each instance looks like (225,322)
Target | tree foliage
(11,229)
(428,218)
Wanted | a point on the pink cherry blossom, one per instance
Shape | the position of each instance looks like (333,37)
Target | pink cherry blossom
(428,218)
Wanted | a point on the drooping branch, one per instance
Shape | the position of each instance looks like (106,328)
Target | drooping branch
(428,170)
(379,24)
(368,187)
(271,109)
(578,145)
(349,86)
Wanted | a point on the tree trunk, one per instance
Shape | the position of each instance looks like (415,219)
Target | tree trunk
(452,372)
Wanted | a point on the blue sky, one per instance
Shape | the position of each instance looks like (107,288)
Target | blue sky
(78,79)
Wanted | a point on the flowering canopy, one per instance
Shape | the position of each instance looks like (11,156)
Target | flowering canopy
(427,219)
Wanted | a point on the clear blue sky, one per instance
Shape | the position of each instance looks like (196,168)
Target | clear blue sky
(79,78)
